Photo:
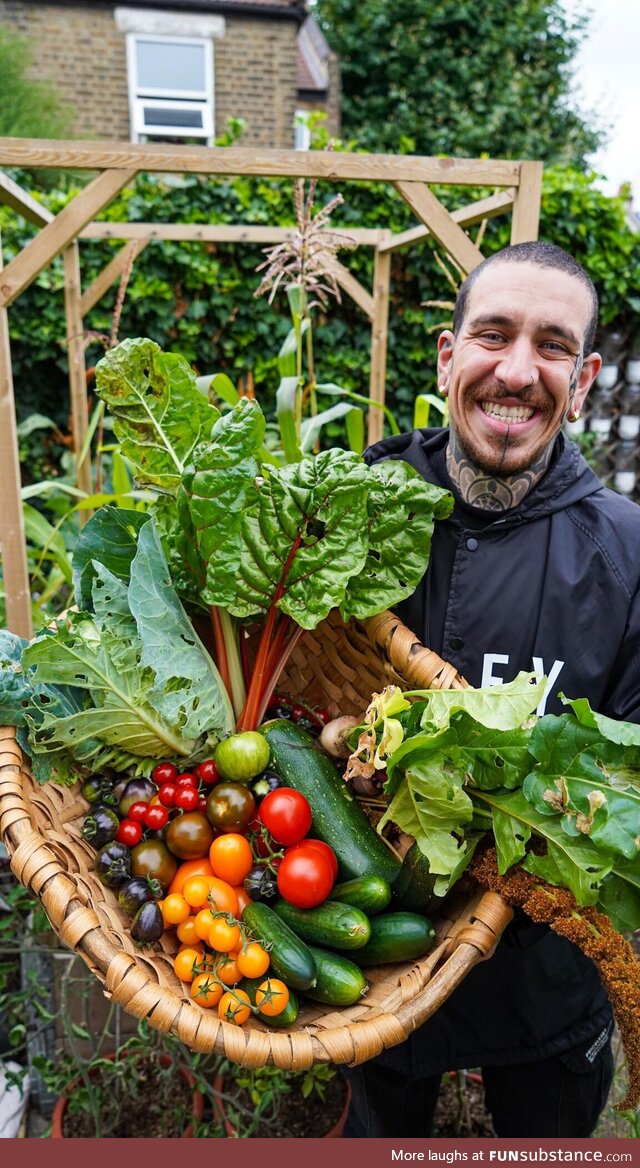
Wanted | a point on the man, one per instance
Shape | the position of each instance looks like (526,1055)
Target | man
(537,569)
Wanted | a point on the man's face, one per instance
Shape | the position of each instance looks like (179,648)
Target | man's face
(516,367)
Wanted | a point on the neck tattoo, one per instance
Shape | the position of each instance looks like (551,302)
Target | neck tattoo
(488,491)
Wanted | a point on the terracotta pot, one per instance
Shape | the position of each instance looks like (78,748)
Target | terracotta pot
(197,1100)
(336,1130)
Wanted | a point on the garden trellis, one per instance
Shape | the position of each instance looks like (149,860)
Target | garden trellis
(116,165)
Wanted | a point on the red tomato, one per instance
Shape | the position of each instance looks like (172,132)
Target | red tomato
(129,832)
(156,817)
(207,771)
(305,878)
(167,794)
(187,798)
(186,780)
(286,814)
(320,847)
(137,811)
(164,772)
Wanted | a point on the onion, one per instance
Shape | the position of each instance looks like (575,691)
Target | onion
(333,736)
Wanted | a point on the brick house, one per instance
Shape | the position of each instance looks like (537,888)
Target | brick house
(177,70)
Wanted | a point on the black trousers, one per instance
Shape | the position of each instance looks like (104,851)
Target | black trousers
(561,1096)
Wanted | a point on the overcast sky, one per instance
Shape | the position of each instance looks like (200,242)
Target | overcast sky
(608,78)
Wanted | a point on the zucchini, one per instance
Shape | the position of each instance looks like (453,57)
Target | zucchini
(286,1018)
(339,981)
(371,894)
(338,926)
(291,959)
(396,936)
(338,818)
(414,884)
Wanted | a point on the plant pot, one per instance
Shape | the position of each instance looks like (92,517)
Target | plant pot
(197,1100)
(335,1132)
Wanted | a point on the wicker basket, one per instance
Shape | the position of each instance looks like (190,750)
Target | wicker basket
(338,667)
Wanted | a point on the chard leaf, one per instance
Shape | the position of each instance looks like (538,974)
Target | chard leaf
(172,518)
(620,897)
(300,541)
(111,538)
(492,758)
(159,415)
(431,805)
(401,509)
(500,707)
(625,733)
(511,836)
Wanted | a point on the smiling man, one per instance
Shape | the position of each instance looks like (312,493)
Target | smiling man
(536,569)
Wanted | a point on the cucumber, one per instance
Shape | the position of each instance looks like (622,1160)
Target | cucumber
(286,1018)
(338,818)
(291,959)
(396,936)
(414,884)
(338,926)
(371,894)
(339,982)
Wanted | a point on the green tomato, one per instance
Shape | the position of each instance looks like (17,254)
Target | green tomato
(242,756)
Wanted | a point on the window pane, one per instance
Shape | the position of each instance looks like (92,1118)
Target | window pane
(162,65)
(189,118)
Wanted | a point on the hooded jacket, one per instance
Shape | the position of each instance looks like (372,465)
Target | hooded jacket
(551,586)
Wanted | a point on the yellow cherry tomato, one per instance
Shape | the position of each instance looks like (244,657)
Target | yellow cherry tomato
(235,1007)
(253,960)
(174,909)
(272,997)
(205,990)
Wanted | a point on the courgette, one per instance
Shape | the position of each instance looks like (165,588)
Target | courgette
(338,818)
(396,936)
(414,884)
(371,894)
(338,926)
(339,981)
(291,959)
(286,1017)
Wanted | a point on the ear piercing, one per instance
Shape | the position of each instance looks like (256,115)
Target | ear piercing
(573,416)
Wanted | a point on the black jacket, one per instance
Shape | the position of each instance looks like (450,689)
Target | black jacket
(551,586)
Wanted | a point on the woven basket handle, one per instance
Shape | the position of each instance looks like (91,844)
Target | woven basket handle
(418,666)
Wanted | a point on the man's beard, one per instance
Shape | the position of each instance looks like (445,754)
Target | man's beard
(476,450)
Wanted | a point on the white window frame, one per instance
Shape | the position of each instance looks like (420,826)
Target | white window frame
(301,129)
(167,98)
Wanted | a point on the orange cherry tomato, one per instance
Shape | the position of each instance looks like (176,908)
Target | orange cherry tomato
(243,898)
(272,997)
(222,896)
(231,857)
(175,909)
(203,922)
(196,890)
(205,990)
(189,868)
(253,960)
(226,967)
(222,936)
(235,1007)
(186,964)
(186,931)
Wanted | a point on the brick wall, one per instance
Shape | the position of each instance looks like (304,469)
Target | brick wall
(83,54)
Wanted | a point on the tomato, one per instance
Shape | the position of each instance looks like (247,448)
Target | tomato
(231,857)
(242,756)
(230,807)
(253,960)
(272,997)
(175,909)
(286,814)
(222,936)
(205,990)
(167,794)
(187,779)
(164,772)
(189,836)
(202,923)
(196,890)
(201,867)
(129,833)
(137,811)
(243,897)
(153,858)
(317,846)
(186,931)
(226,967)
(156,817)
(187,798)
(222,897)
(186,964)
(235,1007)
(305,878)
(207,771)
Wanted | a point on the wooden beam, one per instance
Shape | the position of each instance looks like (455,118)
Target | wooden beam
(449,234)
(109,274)
(13,196)
(77,366)
(13,547)
(525,220)
(465,216)
(235,160)
(352,287)
(57,234)
(379,337)
(213,232)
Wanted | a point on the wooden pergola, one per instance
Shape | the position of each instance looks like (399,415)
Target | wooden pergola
(518,190)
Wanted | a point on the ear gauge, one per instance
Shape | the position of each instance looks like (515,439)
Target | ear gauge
(573,416)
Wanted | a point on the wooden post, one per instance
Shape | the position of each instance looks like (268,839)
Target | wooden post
(379,336)
(442,226)
(77,366)
(15,568)
(525,219)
